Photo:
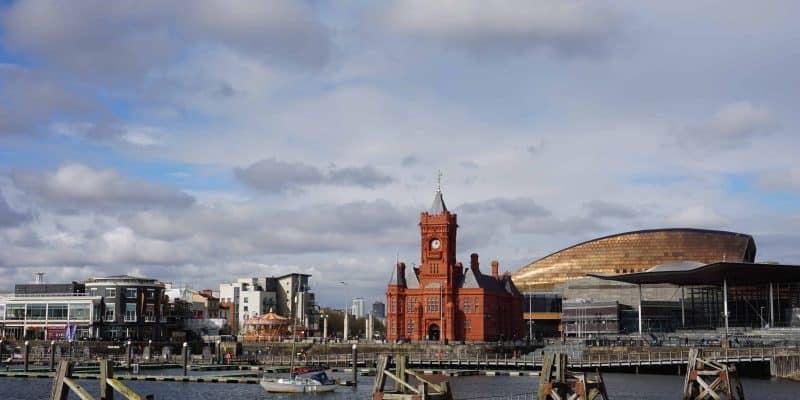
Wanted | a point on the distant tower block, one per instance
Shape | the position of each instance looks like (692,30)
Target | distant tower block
(39,277)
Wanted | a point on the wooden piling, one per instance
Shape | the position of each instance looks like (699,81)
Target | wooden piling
(404,390)
(708,379)
(557,383)
(106,373)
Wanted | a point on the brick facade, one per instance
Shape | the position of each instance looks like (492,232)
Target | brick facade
(441,299)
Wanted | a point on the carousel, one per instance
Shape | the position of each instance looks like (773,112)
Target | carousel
(267,327)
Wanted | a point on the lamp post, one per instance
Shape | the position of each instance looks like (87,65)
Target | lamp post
(530,316)
(345,330)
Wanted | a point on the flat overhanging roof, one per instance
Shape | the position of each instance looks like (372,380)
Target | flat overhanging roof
(741,274)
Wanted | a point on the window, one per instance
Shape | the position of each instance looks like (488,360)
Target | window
(467,326)
(467,305)
(57,311)
(109,315)
(149,313)
(477,305)
(151,293)
(111,292)
(246,299)
(79,312)
(245,309)
(433,304)
(411,303)
(130,293)
(93,291)
(130,312)
(36,311)
(15,311)
(410,327)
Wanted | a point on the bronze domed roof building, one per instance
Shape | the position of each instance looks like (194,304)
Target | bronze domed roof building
(634,252)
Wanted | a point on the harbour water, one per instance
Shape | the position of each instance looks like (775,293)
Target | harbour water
(620,386)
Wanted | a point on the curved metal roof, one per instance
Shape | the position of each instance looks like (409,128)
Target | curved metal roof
(635,251)
(641,231)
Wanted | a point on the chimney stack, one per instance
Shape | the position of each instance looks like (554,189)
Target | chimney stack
(473,263)
(39,277)
(495,269)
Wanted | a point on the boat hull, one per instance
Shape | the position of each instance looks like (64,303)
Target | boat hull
(281,387)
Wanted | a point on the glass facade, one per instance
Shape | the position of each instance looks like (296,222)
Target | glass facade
(15,312)
(79,311)
(57,311)
(36,311)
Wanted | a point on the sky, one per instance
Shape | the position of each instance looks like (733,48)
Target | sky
(199,142)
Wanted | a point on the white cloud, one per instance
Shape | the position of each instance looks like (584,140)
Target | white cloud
(733,125)
(697,216)
(569,26)
(77,186)
(783,180)
(276,176)
(103,40)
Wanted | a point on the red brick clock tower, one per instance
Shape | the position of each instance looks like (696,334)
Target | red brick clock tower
(442,300)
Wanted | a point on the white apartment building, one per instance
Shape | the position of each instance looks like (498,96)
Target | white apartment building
(357,309)
(249,299)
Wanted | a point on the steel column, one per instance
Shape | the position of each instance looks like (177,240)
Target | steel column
(725,304)
(771,308)
(640,311)
(683,308)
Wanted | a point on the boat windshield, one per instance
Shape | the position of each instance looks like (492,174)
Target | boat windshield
(322,377)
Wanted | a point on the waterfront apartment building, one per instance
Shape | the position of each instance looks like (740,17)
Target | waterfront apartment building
(441,299)
(248,298)
(130,307)
(288,295)
(47,316)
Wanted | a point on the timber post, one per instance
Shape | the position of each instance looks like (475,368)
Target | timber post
(404,390)
(106,373)
(64,384)
(556,383)
(708,379)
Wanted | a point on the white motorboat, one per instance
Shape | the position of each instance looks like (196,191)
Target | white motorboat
(313,383)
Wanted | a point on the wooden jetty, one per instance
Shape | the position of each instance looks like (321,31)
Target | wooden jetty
(557,383)
(425,390)
(64,384)
(709,379)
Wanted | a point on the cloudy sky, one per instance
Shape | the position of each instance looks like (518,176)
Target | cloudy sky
(199,142)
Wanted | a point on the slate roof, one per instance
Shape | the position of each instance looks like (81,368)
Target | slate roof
(438,206)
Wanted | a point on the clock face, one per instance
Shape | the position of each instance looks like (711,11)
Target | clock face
(435,244)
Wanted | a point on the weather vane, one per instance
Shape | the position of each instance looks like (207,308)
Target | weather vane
(439,182)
